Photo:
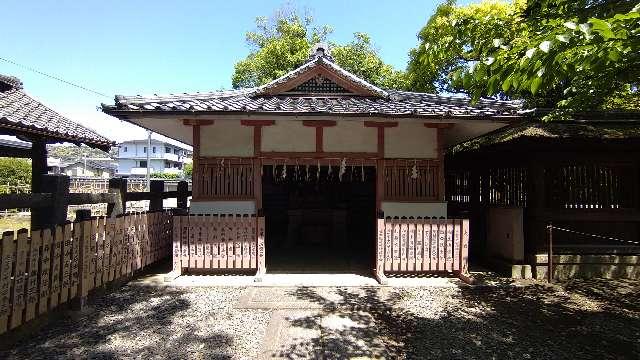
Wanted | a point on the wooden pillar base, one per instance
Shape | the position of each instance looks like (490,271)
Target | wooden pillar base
(381,277)
(466,278)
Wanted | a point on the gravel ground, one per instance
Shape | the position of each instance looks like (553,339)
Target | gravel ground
(587,319)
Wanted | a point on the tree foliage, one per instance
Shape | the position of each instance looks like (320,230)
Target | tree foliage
(454,38)
(188,170)
(15,175)
(563,54)
(283,42)
(69,153)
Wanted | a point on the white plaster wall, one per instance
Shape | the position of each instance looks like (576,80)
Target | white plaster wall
(410,139)
(430,209)
(505,234)
(463,131)
(223,207)
(288,136)
(350,136)
(171,127)
(226,138)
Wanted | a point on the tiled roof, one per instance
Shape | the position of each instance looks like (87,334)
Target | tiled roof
(606,130)
(262,99)
(21,112)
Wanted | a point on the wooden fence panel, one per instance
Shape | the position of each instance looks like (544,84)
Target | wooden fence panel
(237,245)
(56,258)
(419,242)
(231,237)
(110,224)
(253,245)
(76,235)
(403,245)
(40,272)
(261,250)
(411,244)
(223,241)
(6,267)
(421,245)
(67,249)
(100,235)
(45,272)
(32,277)
(449,246)
(19,278)
(177,252)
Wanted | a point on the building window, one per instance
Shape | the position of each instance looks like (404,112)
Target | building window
(167,150)
(176,151)
(167,163)
(143,163)
(144,149)
(154,150)
(125,149)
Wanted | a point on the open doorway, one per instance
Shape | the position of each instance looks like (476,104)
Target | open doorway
(319,219)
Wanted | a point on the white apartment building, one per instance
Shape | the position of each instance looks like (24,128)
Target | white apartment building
(164,157)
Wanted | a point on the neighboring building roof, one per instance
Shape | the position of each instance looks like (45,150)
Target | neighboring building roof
(318,87)
(15,143)
(156,141)
(606,130)
(22,113)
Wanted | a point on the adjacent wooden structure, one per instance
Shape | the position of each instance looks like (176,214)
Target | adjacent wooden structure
(584,176)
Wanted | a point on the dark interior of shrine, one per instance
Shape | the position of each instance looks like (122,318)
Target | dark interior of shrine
(319,218)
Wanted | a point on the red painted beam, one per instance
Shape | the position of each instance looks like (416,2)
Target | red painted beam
(318,123)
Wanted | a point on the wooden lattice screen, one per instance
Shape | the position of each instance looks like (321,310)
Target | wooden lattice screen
(411,180)
(590,186)
(225,179)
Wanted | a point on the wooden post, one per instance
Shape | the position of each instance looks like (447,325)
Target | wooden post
(156,188)
(117,186)
(38,164)
(56,212)
(183,193)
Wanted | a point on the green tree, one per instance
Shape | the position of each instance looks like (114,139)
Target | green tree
(453,39)
(562,54)
(283,42)
(188,170)
(15,174)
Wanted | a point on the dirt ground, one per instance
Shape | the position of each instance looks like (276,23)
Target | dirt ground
(581,319)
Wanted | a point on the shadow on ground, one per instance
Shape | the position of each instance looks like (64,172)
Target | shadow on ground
(586,319)
(135,321)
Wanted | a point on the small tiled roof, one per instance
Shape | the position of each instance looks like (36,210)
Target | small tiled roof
(605,130)
(22,113)
(262,99)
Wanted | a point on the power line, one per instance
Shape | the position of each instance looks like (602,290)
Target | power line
(53,77)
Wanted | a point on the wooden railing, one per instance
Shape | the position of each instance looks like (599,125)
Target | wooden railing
(412,180)
(225,179)
(39,274)
(421,245)
(226,242)
(50,207)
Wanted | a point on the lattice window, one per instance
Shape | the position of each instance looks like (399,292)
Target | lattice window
(319,84)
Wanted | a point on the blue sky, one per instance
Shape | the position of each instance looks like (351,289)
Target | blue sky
(145,47)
